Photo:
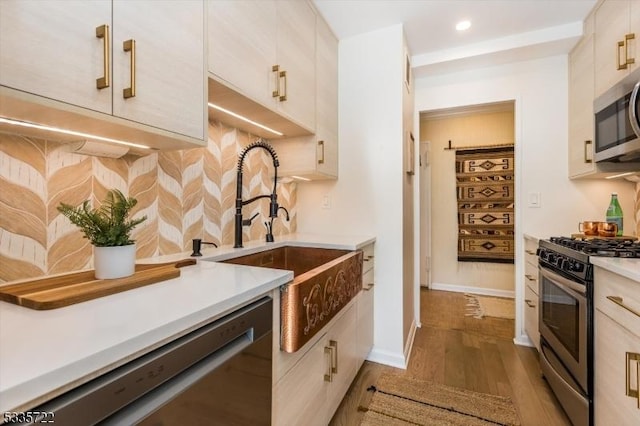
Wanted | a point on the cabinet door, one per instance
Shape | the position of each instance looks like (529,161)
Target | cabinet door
(327,100)
(51,50)
(611,26)
(531,316)
(365,318)
(242,46)
(296,54)
(612,342)
(169,64)
(342,337)
(581,95)
(299,398)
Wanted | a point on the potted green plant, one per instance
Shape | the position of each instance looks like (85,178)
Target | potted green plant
(108,228)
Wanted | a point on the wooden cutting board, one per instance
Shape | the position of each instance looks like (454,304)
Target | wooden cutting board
(68,289)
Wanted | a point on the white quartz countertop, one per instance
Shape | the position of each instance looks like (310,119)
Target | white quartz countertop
(629,268)
(45,353)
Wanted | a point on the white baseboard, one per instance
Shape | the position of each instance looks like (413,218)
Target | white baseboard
(392,359)
(409,345)
(474,290)
(523,340)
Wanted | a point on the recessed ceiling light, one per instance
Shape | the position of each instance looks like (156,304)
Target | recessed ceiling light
(463,25)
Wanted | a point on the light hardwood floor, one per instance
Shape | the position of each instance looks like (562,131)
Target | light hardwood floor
(475,354)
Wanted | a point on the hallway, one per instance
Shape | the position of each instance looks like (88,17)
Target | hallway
(459,351)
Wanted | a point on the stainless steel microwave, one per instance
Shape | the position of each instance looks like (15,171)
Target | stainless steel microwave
(617,128)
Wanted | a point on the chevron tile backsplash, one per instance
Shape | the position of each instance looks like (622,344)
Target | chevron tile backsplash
(184,194)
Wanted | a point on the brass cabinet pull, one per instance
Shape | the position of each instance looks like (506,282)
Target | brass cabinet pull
(283,75)
(531,252)
(321,146)
(105,81)
(627,59)
(334,367)
(275,69)
(328,350)
(620,302)
(587,144)
(529,277)
(621,65)
(633,393)
(369,287)
(529,303)
(130,46)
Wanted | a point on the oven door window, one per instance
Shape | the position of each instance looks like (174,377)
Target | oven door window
(561,315)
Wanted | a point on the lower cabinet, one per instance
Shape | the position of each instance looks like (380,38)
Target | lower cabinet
(531,316)
(365,318)
(311,391)
(617,349)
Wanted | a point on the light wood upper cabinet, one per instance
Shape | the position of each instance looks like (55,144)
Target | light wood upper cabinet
(52,51)
(52,55)
(264,51)
(242,46)
(617,33)
(581,95)
(316,157)
(169,64)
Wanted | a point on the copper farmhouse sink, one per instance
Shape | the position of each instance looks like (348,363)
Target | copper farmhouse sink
(325,280)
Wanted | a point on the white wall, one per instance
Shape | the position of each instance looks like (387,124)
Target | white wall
(540,91)
(368,196)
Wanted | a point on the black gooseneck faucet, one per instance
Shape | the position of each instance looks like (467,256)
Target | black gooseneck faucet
(273,204)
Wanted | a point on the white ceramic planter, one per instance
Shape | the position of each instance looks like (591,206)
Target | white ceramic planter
(114,262)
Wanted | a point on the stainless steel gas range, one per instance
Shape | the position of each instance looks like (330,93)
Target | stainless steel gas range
(566,317)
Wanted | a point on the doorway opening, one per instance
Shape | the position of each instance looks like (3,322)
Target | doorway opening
(473,127)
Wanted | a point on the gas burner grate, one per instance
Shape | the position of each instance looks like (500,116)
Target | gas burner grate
(601,247)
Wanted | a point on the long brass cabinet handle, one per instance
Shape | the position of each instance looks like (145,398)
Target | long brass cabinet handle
(587,144)
(632,357)
(627,59)
(276,69)
(321,156)
(529,277)
(369,287)
(283,96)
(130,46)
(328,350)
(105,81)
(622,65)
(334,366)
(529,303)
(620,302)
(531,252)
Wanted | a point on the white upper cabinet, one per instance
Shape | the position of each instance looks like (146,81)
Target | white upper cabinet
(53,51)
(65,64)
(617,33)
(262,62)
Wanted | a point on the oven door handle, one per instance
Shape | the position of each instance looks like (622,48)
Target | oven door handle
(563,282)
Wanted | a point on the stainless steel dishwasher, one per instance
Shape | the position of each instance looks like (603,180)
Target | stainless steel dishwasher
(219,374)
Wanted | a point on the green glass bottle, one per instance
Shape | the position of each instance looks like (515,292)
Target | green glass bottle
(614,213)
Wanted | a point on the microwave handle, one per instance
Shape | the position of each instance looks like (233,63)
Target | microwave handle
(633,108)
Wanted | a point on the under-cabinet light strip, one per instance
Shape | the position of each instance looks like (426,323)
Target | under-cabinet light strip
(620,175)
(245,119)
(69,132)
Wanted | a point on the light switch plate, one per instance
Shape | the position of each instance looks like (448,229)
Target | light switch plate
(534,199)
(326,202)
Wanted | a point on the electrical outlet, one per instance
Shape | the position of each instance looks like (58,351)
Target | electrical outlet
(326,202)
